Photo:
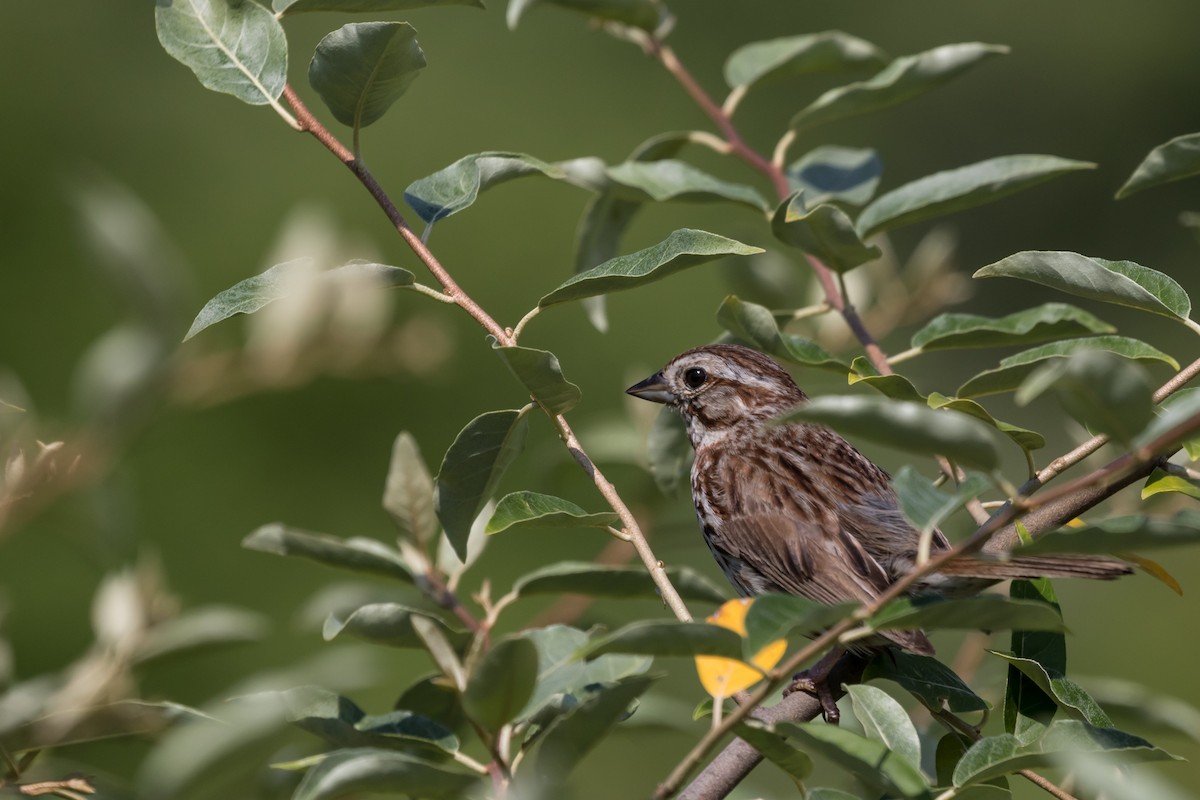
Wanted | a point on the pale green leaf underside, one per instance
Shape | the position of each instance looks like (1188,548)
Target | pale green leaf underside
(669,179)
(354,6)
(1042,323)
(793,56)
(1171,161)
(539,370)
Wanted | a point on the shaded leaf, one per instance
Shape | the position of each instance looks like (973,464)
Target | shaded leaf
(431,697)
(1131,701)
(823,231)
(357,553)
(533,510)
(776,749)
(78,725)
(824,793)
(1028,709)
(408,491)
(501,683)
(962,188)
(1121,282)
(866,759)
(895,386)
(682,249)
(905,78)
(982,612)
(777,615)
(1015,368)
(1004,754)
(298,6)
(360,69)
(905,426)
(831,174)
(585,577)
(560,672)
(1068,695)
(756,325)
(668,179)
(252,294)
(885,721)
(539,370)
(929,680)
(389,624)
(440,650)
(239,49)
(198,628)
(1042,323)
(472,467)
(1108,394)
(643,14)
(1118,534)
(1170,161)
(1025,439)
(341,723)
(669,454)
(925,506)
(793,56)
(361,769)
(457,187)
(1178,409)
(667,638)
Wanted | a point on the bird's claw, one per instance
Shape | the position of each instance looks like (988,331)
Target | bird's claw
(818,687)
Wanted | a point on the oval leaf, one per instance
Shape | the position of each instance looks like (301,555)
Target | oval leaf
(793,56)
(1172,161)
(682,249)
(929,680)
(832,174)
(778,750)
(560,672)
(584,577)
(773,616)
(866,759)
(473,465)
(1046,322)
(1109,395)
(1160,482)
(360,69)
(1024,438)
(456,187)
(903,79)
(983,612)
(962,188)
(895,386)
(540,372)
(756,326)
(886,721)
(905,426)
(362,555)
(252,294)
(239,49)
(389,624)
(361,769)
(502,683)
(349,6)
(408,492)
(643,14)
(533,510)
(668,179)
(823,231)
(1121,282)
(1014,369)
(1069,696)
(668,638)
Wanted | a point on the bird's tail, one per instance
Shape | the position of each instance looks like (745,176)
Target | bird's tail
(1090,567)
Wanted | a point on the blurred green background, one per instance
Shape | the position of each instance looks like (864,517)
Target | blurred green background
(88,91)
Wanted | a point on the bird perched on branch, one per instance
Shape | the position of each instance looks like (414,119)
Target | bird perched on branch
(796,509)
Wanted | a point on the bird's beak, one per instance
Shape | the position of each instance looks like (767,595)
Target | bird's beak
(653,389)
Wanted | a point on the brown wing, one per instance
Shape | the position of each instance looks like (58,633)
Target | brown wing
(823,563)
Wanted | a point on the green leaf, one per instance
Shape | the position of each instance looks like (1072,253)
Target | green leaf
(502,683)
(252,294)
(1171,161)
(432,698)
(794,56)
(643,14)
(357,553)
(824,793)
(198,628)
(894,386)
(1025,439)
(533,510)
(775,616)
(1068,695)
(235,48)
(89,724)
(1120,534)
(885,721)
(667,638)
(1046,322)
(360,69)
(902,80)
(982,612)
(1027,709)
(831,174)
(1174,410)
(756,326)
(473,465)
(349,6)
(776,749)
(925,506)
(389,624)
(1160,482)
(457,187)
(1121,282)
(824,232)
(929,680)
(958,189)
(912,427)
(362,769)
(539,370)
(1014,369)
(682,249)
(866,759)
(1001,755)
(1108,394)
(408,491)
(560,672)
(585,577)
(668,179)
(668,452)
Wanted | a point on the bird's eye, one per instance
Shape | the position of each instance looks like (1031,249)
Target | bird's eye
(695,377)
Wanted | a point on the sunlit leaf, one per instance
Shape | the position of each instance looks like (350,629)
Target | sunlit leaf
(1121,282)
(831,174)
(1108,394)
(501,683)
(895,386)
(929,680)
(533,510)
(1170,161)
(561,672)
(643,14)
(235,48)
(868,760)
(585,577)
(1046,322)
(682,249)
(756,325)
(793,56)
(912,427)
(1025,439)
(905,78)
(408,491)
(885,721)
(958,189)
(357,553)
(1160,482)
(360,69)
(1070,696)
(542,375)
(473,465)
(668,179)
(357,770)
(824,231)
(725,677)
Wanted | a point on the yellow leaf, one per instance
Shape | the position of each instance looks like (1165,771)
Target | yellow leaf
(724,677)
(1154,569)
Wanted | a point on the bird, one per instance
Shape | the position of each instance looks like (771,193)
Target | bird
(794,508)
